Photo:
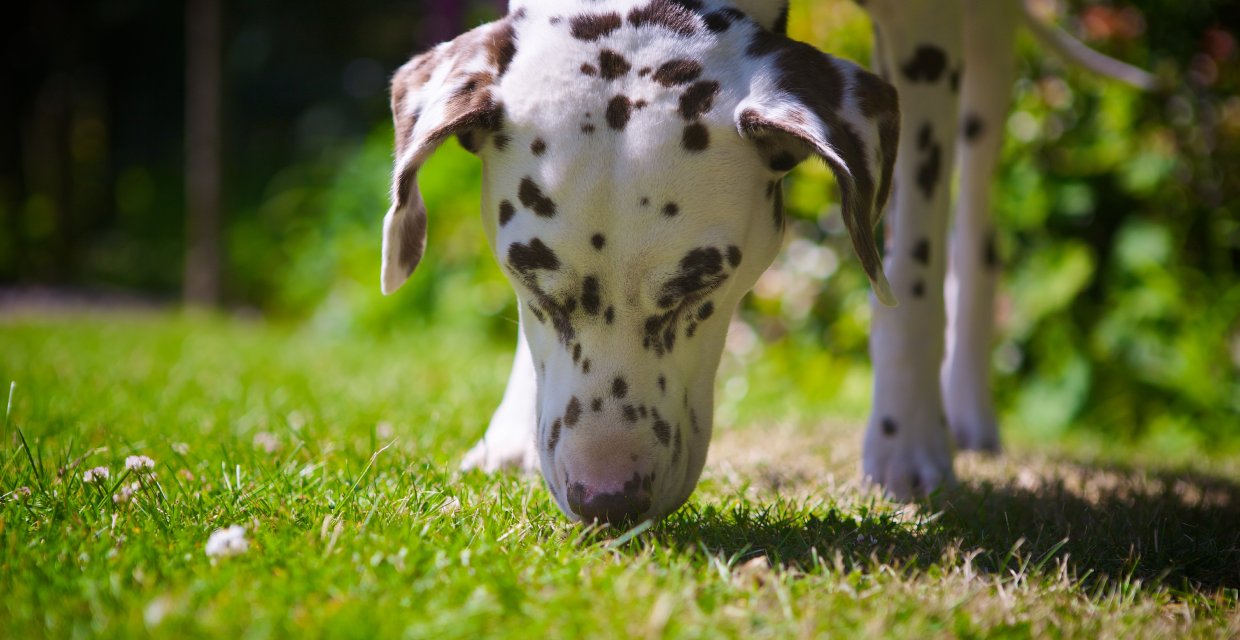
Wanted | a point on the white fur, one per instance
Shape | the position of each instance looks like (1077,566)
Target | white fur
(615,183)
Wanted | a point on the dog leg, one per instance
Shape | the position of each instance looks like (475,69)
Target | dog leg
(907,446)
(990,28)
(509,443)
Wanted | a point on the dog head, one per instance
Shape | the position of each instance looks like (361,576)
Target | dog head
(632,156)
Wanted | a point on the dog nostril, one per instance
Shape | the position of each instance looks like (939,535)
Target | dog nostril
(612,508)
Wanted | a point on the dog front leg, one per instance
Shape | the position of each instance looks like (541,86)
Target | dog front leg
(907,445)
(990,28)
(510,440)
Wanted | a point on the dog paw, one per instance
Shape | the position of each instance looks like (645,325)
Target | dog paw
(969,407)
(909,458)
(976,434)
(493,454)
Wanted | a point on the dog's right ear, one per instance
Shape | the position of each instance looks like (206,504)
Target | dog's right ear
(449,90)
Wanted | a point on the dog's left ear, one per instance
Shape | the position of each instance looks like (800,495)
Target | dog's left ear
(804,102)
(445,91)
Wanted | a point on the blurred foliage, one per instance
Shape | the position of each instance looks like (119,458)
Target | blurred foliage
(1117,210)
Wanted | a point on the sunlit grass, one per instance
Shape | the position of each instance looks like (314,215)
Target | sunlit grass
(337,456)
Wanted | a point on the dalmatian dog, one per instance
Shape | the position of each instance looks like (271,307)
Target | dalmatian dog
(633,153)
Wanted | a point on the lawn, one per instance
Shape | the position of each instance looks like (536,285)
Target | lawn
(337,455)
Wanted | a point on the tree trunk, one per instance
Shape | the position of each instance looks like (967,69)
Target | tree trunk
(202,153)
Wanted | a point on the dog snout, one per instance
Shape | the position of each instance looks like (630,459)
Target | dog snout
(624,506)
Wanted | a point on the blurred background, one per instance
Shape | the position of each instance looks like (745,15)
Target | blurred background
(1119,211)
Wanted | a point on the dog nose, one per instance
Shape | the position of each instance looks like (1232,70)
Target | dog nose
(613,508)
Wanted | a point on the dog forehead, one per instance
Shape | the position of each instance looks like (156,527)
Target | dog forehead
(622,120)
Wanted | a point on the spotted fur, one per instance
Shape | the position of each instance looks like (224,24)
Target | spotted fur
(634,154)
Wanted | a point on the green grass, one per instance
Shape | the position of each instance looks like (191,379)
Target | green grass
(358,526)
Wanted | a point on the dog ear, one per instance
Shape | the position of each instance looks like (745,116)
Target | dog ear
(445,91)
(806,102)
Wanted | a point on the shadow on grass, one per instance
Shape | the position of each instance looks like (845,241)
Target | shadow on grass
(1111,525)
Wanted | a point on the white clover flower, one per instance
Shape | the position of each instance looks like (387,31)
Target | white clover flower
(450,506)
(140,464)
(98,474)
(227,542)
(19,493)
(180,447)
(268,442)
(126,493)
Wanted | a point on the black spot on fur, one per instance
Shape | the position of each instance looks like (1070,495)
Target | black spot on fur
(719,21)
(590,299)
(598,241)
(538,146)
(506,211)
(619,387)
(662,431)
(676,72)
(572,413)
(589,69)
(537,314)
(592,26)
(700,268)
(503,46)
(695,137)
(577,352)
(706,310)
(596,405)
(698,99)
(532,197)
(644,201)
(644,71)
(612,65)
(926,65)
(609,315)
(619,110)
(921,251)
(973,127)
(670,15)
(630,413)
(928,170)
(734,255)
(501,141)
(525,258)
(585,365)
(919,289)
(662,383)
(554,439)
(671,209)
(954,80)
(889,427)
